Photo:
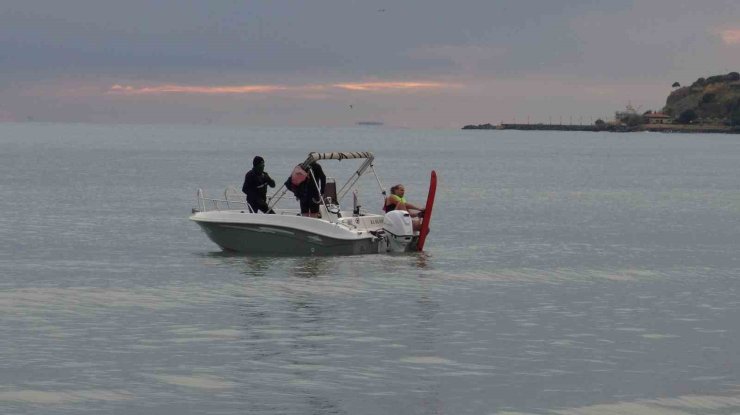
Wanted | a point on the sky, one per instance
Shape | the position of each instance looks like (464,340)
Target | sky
(436,64)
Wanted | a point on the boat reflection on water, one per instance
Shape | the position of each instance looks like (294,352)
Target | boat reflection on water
(422,259)
(257,266)
(316,266)
(278,266)
(311,267)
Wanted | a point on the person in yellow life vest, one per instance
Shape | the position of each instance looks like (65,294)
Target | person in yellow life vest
(397,201)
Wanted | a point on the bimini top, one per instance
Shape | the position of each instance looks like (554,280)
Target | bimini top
(339,155)
(367,156)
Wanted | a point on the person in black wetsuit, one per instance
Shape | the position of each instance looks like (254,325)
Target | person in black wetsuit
(255,186)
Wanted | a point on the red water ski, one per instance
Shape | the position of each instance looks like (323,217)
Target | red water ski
(424,231)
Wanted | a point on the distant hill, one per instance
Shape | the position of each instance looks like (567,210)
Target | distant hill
(709,105)
(715,100)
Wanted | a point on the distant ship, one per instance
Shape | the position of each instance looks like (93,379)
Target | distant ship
(369,123)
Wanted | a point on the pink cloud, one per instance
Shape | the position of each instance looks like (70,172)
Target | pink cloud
(390,86)
(6,116)
(730,36)
(198,90)
(267,89)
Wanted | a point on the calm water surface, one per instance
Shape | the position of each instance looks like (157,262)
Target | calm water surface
(566,273)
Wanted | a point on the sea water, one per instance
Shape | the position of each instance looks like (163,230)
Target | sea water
(565,273)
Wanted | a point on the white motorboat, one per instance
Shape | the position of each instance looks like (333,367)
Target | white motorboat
(230,223)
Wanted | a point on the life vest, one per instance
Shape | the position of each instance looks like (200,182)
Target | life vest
(398,199)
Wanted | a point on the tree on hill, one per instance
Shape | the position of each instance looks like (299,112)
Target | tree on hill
(734,118)
(687,116)
(676,85)
(630,119)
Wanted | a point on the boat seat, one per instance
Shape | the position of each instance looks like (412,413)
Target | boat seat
(330,191)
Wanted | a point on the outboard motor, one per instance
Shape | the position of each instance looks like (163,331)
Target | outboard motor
(398,230)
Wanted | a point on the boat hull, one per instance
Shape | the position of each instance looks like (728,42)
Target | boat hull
(264,238)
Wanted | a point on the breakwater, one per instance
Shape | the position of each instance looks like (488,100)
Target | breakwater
(664,128)
(550,127)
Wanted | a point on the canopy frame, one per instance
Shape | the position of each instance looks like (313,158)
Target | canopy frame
(339,156)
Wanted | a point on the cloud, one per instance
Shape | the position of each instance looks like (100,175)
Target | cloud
(6,116)
(267,89)
(196,90)
(391,86)
(730,36)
